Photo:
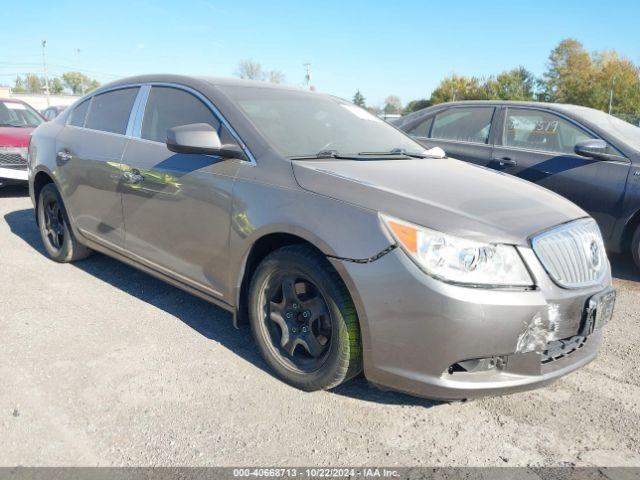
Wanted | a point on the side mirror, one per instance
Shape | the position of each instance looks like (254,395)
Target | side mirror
(202,139)
(594,148)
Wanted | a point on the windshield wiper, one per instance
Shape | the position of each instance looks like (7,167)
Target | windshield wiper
(397,153)
(12,125)
(403,153)
(327,154)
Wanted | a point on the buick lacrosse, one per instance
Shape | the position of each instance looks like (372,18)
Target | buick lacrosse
(341,241)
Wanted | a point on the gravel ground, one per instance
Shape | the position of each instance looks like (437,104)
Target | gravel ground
(104,365)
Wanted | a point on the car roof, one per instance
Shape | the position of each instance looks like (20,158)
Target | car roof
(191,79)
(563,107)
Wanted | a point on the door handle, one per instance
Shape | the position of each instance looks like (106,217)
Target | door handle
(134,177)
(504,161)
(64,156)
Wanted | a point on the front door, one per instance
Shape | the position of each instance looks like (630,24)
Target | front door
(177,206)
(538,146)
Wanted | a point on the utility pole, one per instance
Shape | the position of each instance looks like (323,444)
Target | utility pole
(613,84)
(307,77)
(44,68)
(81,84)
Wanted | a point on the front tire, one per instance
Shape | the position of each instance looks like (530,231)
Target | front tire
(53,222)
(303,319)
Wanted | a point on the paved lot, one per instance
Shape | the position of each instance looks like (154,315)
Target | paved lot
(103,365)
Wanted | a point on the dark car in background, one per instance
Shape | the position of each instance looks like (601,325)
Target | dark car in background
(17,121)
(585,155)
(52,112)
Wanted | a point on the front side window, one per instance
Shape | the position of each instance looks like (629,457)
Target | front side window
(110,111)
(169,107)
(79,114)
(463,124)
(538,130)
(17,114)
(422,129)
(301,124)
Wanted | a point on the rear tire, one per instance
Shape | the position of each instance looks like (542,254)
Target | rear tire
(635,247)
(53,222)
(303,319)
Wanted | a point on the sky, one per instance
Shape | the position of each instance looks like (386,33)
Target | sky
(379,47)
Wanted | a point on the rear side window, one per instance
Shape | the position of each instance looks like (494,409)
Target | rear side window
(537,130)
(169,107)
(79,114)
(463,124)
(422,129)
(110,111)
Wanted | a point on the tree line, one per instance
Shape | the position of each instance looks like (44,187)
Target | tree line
(603,80)
(71,82)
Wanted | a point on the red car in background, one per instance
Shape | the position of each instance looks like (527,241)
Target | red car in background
(17,121)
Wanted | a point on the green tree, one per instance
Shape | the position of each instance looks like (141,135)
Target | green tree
(517,84)
(34,83)
(392,104)
(55,86)
(415,105)
(78,82)
(92,84)
(19,85)
(570,75)
(616,84)
(358,99)
(457,87)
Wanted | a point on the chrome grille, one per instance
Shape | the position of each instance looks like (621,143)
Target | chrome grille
(12,160)
(573,254)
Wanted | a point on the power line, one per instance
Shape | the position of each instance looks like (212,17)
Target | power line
(59,66)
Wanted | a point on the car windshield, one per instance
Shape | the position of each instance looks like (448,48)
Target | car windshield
(16,114)
(625,131)
(303,124)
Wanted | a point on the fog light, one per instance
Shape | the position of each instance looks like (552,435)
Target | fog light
(478,365)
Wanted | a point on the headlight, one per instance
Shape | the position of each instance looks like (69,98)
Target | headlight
(457,260)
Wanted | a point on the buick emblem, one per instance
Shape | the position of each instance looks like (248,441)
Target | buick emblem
(594,252)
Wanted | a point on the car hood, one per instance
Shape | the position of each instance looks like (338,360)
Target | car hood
(443,194)
(15,136)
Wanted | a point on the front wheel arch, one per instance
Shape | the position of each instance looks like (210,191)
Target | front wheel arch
(259,250)
(629,230)
(40,179)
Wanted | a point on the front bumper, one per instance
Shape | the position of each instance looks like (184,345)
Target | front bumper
(15,174)
(416,329)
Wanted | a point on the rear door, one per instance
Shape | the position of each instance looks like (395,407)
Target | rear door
(177,206)
(538,145)
(89,151)
(462,132)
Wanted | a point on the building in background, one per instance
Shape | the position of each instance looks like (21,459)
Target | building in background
(38,100)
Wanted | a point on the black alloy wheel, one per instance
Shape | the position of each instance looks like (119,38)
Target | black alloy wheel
(303,319)
(299,322)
